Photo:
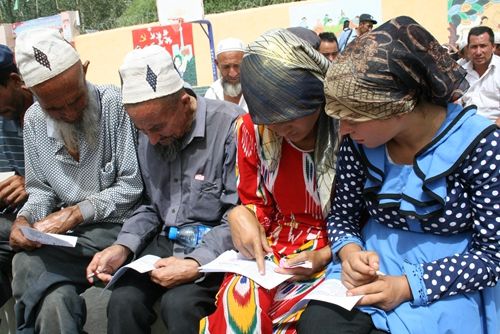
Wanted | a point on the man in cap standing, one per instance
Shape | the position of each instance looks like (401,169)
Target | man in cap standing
(366,22)
(187,155)
(229,54)
(15,99)
(80,156)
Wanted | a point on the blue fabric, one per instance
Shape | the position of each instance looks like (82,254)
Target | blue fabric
(435,221)
(420,189)
(11,147)
(453,315)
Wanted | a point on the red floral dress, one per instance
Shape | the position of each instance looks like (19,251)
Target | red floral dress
(283,194)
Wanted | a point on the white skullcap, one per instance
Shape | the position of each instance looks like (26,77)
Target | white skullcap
(230,44)
(496,34)
(41,54)
(147,74)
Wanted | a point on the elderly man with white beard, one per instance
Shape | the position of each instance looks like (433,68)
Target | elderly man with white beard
(229,54)
(82,176)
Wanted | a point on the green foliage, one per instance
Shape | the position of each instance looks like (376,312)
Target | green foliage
(219,6)
(108,14)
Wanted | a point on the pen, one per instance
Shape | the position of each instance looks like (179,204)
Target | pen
(93,275)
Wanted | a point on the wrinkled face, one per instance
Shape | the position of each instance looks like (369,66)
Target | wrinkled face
(364,27)
(229,66)
(65,96)
(296,130)
(480,49)
(164,119)
(371,133)
(11,98)
(329,49)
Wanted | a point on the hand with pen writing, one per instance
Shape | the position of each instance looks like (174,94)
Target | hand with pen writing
(318,259)
(60,221)
(13,191)
(106,262)
(361,276)
(359,267)
(248,235)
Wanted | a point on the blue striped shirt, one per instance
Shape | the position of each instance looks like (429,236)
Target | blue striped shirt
(11,147)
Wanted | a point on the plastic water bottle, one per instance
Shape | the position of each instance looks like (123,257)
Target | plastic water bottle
(188,236)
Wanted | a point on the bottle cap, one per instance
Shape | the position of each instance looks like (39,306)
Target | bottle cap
(172,232)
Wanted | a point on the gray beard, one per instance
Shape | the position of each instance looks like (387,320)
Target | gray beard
(169,152)
(229,89)
(88,127)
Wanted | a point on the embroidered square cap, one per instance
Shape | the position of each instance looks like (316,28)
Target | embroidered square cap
(230,44)
(6,57)
(42,54)
(148,74)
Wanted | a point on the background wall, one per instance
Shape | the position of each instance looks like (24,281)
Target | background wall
(106,50)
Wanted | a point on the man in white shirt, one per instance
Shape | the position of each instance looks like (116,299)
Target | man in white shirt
(483,74)
(229,54)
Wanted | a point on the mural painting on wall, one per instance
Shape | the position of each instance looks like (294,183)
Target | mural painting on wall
(177,39)
(68,23)
(330,15)
(465,14)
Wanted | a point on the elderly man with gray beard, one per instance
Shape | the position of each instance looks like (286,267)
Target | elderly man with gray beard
(82,176)
(229,54)
(187,154)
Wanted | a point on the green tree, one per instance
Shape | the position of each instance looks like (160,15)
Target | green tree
(93,13)
(106,14)
(139,10)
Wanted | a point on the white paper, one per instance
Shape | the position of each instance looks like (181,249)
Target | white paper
(142,265)
(5,175)
(49,238)
(330,291)
(233,262)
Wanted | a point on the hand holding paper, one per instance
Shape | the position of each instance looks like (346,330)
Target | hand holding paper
(48,238)
(141,265)
(231,261)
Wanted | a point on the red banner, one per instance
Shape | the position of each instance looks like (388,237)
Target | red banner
(177,40)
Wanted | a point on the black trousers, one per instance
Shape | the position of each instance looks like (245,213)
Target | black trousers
(325,318)
(6,254)
(130,308)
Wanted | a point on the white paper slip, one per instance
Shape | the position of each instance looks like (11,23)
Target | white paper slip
(334,292)
(330,291)
(5,175)
(231,261)
(142,265)
(49,238)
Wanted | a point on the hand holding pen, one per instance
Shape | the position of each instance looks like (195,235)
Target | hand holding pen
(106,262)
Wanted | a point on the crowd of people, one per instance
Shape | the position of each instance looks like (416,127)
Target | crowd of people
(374,157)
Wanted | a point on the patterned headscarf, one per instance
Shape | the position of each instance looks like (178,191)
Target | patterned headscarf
(385,72)
(282,80)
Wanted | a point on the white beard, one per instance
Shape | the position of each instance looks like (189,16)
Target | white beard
(88,126)
(229,89)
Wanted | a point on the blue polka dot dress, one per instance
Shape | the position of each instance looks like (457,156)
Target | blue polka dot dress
(436,221)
